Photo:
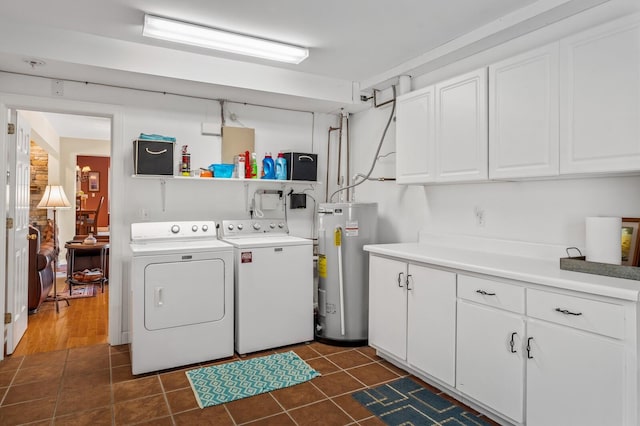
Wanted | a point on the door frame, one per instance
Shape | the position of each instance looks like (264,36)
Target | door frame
(118,231)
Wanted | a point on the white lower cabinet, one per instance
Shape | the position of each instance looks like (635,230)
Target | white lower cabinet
(405,301)
(563,352)
(490,358)
(531,355)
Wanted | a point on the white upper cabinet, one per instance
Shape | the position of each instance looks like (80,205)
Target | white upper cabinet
(523,115)
(415,159)
(600,99)
(461,128)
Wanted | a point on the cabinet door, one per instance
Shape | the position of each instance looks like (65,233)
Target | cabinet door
(574,377)
(415,153)
(523,115)
(488,368)
(600,99)
(431,334)
(388,306)
(461,128)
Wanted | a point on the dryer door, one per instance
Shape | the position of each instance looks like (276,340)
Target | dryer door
(182,293)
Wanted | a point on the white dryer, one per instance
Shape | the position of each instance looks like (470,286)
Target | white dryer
(181,307)
(273,284)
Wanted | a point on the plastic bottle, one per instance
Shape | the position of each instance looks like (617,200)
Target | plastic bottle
(247,165)
(254,166)
(241,168)
(268,167)
(281,167)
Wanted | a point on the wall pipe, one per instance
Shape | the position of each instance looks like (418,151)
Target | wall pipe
(375,158)
(326,194)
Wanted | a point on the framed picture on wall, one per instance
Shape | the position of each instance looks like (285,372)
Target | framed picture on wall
(630,241)
(94,181)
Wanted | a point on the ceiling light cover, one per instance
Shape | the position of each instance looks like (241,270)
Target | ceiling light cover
(211,38)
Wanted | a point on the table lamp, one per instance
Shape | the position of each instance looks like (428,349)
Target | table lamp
(55,198)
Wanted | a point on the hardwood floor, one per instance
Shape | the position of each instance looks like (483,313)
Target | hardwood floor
(85,322)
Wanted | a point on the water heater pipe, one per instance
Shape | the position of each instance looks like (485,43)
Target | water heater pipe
(331,129)
(338,241)
(375,158)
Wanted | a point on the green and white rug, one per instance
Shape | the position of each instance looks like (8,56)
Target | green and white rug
(235,380)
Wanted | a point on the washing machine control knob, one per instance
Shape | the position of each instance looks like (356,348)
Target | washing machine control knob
(205,228)
(281,225)
(256,226)
(230,227)
(194,228)
(175,229)
(240,226)
(272,225)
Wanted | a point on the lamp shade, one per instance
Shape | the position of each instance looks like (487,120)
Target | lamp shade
(54,197)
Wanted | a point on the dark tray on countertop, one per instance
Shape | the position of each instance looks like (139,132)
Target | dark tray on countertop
(580,264)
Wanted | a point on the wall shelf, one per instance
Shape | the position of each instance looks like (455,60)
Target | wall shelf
(192,178)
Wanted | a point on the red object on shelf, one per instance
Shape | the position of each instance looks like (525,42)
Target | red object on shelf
(247,165)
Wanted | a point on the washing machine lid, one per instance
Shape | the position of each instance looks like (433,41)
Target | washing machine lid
(271,241)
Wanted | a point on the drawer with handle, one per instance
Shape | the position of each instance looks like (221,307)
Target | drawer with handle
(501,295)
(585,314)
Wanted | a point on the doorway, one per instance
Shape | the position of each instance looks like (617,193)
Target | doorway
(64,138)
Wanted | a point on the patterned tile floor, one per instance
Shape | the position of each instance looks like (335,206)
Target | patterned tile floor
(93,385)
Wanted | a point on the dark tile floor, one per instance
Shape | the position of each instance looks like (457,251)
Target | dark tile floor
(93,385)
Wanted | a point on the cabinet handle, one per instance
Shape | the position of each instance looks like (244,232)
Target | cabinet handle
(512,343)
(529,347)
(484,293)
(568,312)
(409,276)
(400,279)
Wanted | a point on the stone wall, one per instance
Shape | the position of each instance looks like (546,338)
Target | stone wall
(39,180)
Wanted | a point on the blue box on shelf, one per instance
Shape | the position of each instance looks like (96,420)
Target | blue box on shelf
(222,170)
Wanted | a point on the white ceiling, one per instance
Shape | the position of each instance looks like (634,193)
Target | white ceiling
(355,45)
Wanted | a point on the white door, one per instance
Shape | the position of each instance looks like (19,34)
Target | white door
(490,358)
(388,306)
(600,99)
(461,128)
(431,335)
(415,158)
(523,115)
(573,377)
(17,243)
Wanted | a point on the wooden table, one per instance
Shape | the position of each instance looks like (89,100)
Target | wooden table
(72,247)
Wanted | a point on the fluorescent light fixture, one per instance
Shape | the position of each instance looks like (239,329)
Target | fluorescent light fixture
(211,38)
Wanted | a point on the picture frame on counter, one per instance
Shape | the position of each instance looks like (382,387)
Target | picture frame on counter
(630,241)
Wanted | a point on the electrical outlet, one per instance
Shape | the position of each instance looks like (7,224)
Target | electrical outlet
(479,213)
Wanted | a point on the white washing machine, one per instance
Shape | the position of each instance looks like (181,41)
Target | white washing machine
(181,307)
(273,284)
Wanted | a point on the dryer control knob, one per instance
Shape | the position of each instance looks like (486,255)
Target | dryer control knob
(272,225)
(175,229)
(230,227)
(281,225)
(205,228)
(194,228)
(240,226)
(256,226)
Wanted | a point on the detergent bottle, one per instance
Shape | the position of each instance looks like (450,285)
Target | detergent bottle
(281,167)
(268,167)
(254,166)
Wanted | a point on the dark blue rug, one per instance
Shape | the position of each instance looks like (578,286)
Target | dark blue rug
(405,402)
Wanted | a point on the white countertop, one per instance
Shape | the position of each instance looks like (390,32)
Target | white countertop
(529,269)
